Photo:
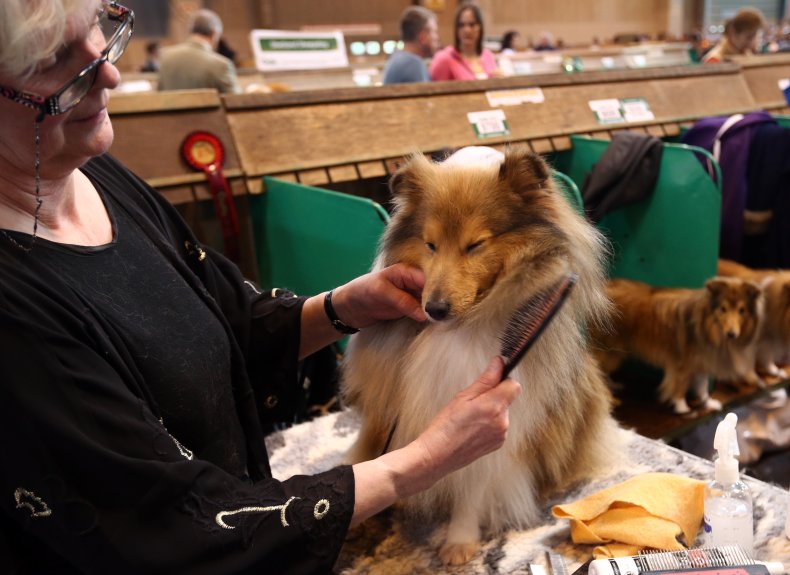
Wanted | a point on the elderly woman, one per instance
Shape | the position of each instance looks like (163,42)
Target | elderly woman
(134,361)
(466,59)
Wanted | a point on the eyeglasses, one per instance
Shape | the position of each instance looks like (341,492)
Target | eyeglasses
(116,23)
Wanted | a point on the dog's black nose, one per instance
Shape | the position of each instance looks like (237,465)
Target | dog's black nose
(438,310)
(731,334)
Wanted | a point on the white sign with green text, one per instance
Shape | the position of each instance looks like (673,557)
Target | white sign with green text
(287,50)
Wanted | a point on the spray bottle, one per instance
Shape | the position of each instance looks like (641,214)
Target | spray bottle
(728,517)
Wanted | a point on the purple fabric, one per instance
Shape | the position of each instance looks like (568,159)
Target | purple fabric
(769,189)
(733,160)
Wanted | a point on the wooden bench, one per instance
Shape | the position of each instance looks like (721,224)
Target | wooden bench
(335,136)
(356,137)
(762,74)
(149,128)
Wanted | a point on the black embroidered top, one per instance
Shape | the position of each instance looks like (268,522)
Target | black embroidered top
(135,379)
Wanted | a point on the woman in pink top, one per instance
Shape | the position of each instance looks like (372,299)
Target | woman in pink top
(467,60)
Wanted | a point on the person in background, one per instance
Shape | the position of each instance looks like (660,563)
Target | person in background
(466,59)
(545,42)
(510,40)
(151,57)
(740,36)
(195,64)
(138,367)
(420,34)
(224,49)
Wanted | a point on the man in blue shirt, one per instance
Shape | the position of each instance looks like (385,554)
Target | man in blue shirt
(420,35)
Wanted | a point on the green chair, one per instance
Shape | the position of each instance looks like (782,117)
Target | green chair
(782,120)
(672,237)
(309,240)
(570,190)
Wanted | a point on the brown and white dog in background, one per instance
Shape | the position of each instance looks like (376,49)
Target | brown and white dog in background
(773,344)
(689,333)
(489,231)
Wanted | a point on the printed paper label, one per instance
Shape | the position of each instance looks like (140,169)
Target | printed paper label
(636,110)
(607,111)
(515,97)
(489,123)
(612,111)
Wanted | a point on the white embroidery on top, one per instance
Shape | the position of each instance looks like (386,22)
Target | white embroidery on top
(252,286)
(222,514)
(321,508)
(37,506)
(181,449)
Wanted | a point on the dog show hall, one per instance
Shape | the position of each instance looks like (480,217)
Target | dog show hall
(442,286)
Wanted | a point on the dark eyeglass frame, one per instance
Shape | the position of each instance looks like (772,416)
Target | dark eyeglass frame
(51,105)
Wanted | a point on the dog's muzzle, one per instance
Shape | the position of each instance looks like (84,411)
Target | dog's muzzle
(438,310)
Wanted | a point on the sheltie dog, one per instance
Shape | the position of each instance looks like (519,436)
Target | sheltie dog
(489,230)
(689,333)
(773,343)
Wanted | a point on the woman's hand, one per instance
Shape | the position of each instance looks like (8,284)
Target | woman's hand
(391,293)
(473,424)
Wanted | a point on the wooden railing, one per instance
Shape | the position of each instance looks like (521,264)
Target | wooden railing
(343,135)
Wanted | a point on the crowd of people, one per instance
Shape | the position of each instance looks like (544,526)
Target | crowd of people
(205,60)
(747,32)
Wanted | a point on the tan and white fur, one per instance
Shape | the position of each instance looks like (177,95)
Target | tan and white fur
(689,333)
(773,344)
(488,231)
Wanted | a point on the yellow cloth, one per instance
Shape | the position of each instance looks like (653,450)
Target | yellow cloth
(648,511)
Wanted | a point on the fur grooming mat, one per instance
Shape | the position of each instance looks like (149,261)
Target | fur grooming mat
(389,544)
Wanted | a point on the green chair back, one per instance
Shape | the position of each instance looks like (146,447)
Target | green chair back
(310,240)
(570,190)
(672,237)
(783,120)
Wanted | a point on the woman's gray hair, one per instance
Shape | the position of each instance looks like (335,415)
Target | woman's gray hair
(32,30)
(206,23)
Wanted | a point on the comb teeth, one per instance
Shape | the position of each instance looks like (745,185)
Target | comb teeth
(529,320)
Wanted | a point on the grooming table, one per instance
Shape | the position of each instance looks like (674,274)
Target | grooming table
(388,544)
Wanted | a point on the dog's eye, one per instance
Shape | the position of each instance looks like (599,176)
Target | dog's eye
(741,310)
(431,247)
(722,309)
(472,247)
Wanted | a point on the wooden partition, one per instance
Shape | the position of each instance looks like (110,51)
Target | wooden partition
(762,74)
(342,135)
(356,137)
(149,129)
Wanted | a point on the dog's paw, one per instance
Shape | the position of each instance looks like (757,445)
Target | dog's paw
(458,553)
(680,407)
(756,380)
(775,371)
(712,404)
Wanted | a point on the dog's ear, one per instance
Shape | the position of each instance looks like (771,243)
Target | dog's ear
(715,287)
(405,180)
(524,170)
(753,291)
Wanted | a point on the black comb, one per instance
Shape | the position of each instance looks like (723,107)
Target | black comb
(530,319)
